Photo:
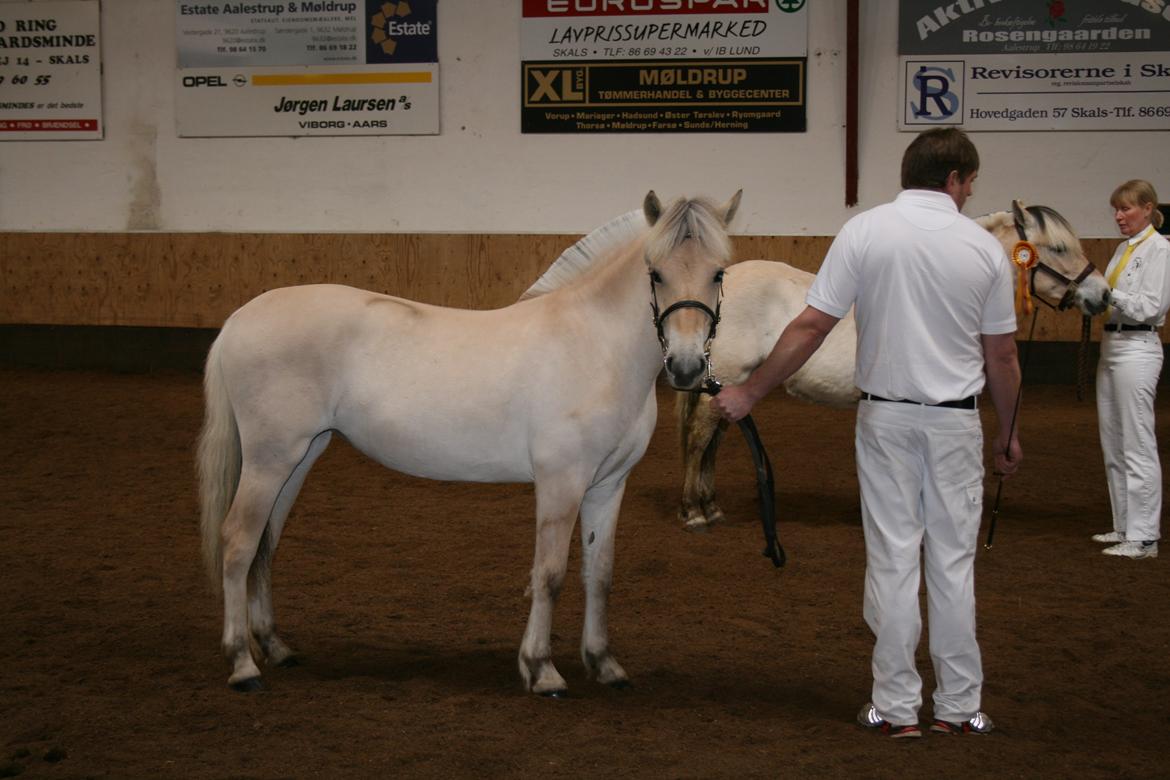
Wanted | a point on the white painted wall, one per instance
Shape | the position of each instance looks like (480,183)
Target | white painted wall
(482,175)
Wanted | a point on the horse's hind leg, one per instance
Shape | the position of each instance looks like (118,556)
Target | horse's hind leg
(261,620)
(557,504)
(599,513)
(262,481)
(243,529)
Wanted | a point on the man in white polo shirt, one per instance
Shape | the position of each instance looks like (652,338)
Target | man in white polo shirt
(935,324)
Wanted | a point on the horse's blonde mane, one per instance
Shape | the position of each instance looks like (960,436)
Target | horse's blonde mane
(996,220)
(696,219)
(584,254)
(1050,221)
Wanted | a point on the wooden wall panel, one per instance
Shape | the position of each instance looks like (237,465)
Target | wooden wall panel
(197,279)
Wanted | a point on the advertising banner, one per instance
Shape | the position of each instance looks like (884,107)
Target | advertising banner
(663,66)
(317,67)
(50,71)
(1034,64)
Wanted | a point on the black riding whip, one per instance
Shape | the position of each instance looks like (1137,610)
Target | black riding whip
(765,484)
(1083,357)
(1011,430)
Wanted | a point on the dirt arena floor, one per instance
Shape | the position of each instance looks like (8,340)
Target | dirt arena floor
(406,600)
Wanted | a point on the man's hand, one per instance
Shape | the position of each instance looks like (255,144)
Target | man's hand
(1007,459)
(796,344)
(734,402)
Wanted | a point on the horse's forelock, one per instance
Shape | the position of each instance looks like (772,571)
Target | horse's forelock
(695,219)
(1045,215)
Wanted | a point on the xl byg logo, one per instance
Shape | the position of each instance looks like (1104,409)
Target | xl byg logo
(554,85)
(934,93)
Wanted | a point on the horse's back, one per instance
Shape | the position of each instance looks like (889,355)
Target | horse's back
(762,297)
(437,392)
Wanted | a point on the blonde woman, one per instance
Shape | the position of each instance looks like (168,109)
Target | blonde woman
(1127,374)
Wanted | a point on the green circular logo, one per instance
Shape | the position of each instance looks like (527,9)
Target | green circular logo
(790,6)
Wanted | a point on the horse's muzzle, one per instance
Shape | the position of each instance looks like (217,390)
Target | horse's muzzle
(685,373)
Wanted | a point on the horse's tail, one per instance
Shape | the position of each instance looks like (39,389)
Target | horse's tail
(684,407)
(219,462)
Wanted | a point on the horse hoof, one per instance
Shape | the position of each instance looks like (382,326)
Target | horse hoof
(621,685)
(560,693)
(697,526)
(248,685)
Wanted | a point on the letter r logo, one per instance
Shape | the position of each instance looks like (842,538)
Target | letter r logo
(933,93)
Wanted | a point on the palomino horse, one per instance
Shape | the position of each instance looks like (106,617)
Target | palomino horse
(763,296)
(557,390)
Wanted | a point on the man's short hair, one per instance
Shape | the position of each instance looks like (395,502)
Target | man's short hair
(931,157)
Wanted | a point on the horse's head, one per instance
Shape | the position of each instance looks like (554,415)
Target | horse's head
(686,251)
(1061,276)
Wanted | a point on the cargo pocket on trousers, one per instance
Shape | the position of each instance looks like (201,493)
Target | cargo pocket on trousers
(975,496)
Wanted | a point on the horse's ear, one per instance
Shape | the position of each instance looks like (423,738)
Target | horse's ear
(1019,215)
(652,208)
(727,213)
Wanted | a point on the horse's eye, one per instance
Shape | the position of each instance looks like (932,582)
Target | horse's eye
(1060,250)
(655,277)
(719,276)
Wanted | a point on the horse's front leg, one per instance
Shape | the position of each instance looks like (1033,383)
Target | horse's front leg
(558,500)
(599,513)
(711,510)
(702,430)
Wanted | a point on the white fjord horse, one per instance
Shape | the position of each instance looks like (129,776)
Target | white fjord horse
(557,389)
(763,296)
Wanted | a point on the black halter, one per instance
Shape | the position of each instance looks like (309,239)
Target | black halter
(1071,284)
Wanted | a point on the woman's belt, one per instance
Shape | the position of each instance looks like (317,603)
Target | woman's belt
(1113,327)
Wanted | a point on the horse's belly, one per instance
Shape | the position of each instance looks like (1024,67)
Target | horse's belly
(450,448)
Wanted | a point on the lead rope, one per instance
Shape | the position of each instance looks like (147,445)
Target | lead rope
(765,482)
(1011,429)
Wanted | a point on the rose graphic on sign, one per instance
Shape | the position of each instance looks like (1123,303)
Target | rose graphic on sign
(1056,12)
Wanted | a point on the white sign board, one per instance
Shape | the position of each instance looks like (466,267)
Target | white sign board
(687,66)
(318,67)
(50,71)
(1028,65)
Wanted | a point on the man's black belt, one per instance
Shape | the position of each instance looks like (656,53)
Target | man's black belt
(1113,327)
(962,403)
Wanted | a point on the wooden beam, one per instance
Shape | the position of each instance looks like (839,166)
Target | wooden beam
(851,87)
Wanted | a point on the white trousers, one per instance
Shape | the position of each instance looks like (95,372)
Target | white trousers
(920,470)
(1127,381)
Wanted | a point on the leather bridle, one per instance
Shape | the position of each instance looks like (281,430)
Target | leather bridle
(1071,284)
